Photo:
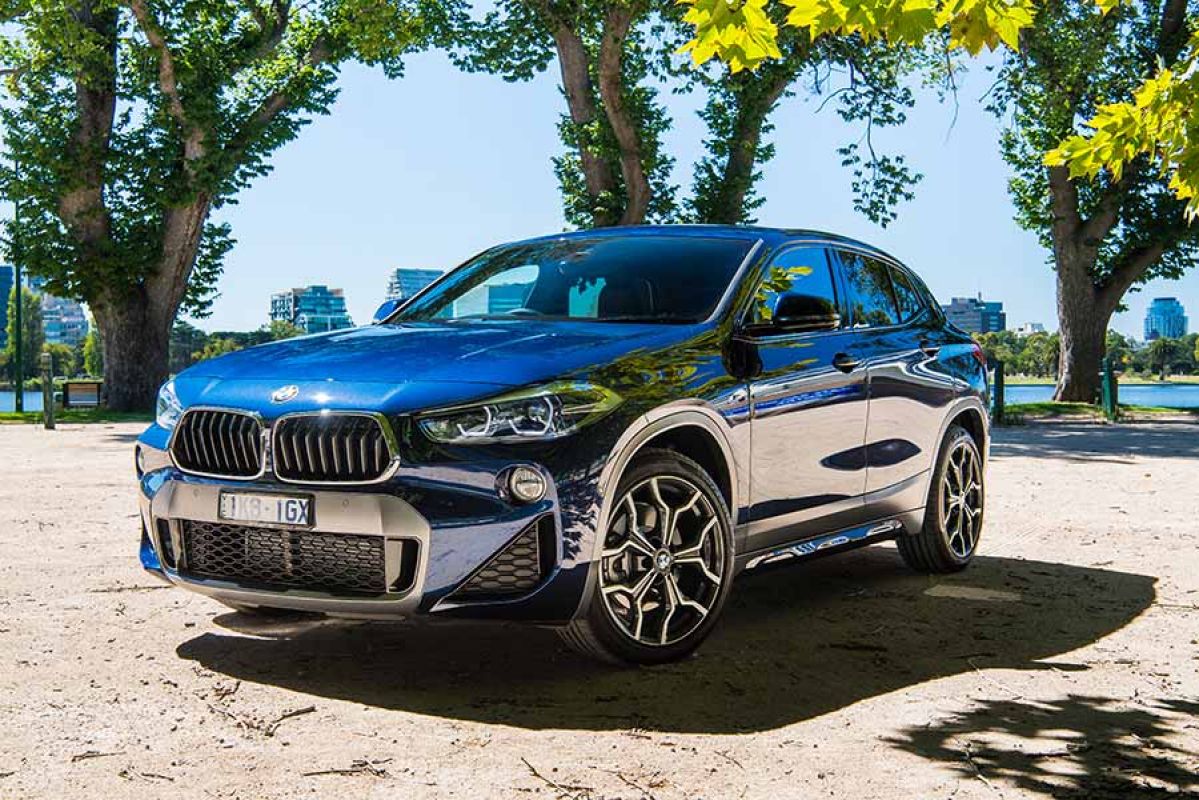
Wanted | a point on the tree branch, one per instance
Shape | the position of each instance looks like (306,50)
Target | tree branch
(168,81)
(1173,34)
(277,102)
(1130,269)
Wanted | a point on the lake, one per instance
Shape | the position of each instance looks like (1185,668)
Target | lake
(1176,395)
(33,401)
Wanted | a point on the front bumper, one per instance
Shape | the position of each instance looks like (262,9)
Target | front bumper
(453,515)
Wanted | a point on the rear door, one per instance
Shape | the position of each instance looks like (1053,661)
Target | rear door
(808,410)
(909,391)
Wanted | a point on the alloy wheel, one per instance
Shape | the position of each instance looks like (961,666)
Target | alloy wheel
(663,561)
(962,499)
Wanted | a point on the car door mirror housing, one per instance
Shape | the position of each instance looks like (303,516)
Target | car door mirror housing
(386,310)
(805,312)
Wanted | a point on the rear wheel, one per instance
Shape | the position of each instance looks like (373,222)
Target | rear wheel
(666,566)
(953,516)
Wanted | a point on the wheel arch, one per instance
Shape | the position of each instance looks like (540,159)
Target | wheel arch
(692,429)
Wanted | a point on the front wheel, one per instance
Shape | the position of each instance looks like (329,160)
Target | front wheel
(953,516)
(666,566)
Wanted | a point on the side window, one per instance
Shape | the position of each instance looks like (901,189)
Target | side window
(802,270)
(911,302)
(871,302)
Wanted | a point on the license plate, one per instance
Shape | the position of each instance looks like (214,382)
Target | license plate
(274,509)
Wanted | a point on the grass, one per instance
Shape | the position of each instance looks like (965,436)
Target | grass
(84,415)
(1017,412)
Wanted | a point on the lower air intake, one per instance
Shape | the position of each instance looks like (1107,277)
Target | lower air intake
(285,559)
(519,567)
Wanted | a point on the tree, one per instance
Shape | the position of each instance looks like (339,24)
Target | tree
(217,346)
(93,354)
(614,171)
(62,359)
(186,341)
(278,329)
(1161,353)
(32,336)
(1156,123)
(134,119)
(1105,233)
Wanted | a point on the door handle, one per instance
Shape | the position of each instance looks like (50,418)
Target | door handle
(928,348)
(846,362)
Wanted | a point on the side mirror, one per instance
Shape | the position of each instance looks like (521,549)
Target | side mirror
(384,311)
(805,312)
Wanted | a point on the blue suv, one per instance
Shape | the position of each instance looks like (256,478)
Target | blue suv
(594,431)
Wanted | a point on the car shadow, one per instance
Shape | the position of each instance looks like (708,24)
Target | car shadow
(1090,442)
(1077,746)
(794,643)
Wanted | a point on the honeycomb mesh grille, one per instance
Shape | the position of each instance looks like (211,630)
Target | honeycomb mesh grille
(514,570)
(218,443)
(330,448)
(332,562)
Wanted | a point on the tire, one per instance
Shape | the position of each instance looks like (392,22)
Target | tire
(674,604)
(949,537)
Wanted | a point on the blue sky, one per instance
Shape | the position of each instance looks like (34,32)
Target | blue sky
(427,170)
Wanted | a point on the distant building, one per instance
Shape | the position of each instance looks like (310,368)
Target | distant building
(313,309)
(975,315)
(63,321)
(504,297)
(6,277)
(1165,319)
(404,283)
(1029,328)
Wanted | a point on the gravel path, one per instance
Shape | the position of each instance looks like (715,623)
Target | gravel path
(1063,663)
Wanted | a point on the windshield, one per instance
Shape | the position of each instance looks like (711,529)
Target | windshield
(671,279)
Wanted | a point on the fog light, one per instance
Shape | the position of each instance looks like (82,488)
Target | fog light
(526,484)
(139,460)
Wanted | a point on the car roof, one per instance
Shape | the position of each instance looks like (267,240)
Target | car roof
(772,237)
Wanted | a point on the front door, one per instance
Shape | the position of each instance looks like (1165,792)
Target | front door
(808,406)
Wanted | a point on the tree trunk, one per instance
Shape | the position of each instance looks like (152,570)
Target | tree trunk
(754,104)
(580,100)
(136,339)
(1083,331)
(617,23)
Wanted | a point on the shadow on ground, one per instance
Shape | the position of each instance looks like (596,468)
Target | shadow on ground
(1079,747)
(794,643)
(1089,441)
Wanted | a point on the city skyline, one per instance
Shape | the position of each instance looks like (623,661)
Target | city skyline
(1166,319)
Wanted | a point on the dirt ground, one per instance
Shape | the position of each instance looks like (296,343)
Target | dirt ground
(1063,663)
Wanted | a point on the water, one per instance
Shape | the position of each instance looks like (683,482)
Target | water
(1174,395)
(33,401)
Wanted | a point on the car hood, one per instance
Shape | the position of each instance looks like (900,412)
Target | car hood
(415,365)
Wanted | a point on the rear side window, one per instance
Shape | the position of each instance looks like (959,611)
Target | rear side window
(872,303)
(801,270)
(910,301)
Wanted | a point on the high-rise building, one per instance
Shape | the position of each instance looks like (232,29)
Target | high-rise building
(504,297)
(404,283)
(6,278)
(975,315)
(1165,319)
(63,321)
(313,309)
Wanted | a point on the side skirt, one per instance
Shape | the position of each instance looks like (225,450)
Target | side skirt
(826,544)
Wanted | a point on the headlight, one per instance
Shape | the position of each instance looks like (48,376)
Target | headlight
(546,412)
(169,410)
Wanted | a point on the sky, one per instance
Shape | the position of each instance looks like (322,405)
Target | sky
(427,170)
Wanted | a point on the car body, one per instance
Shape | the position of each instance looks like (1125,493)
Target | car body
(457,463)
